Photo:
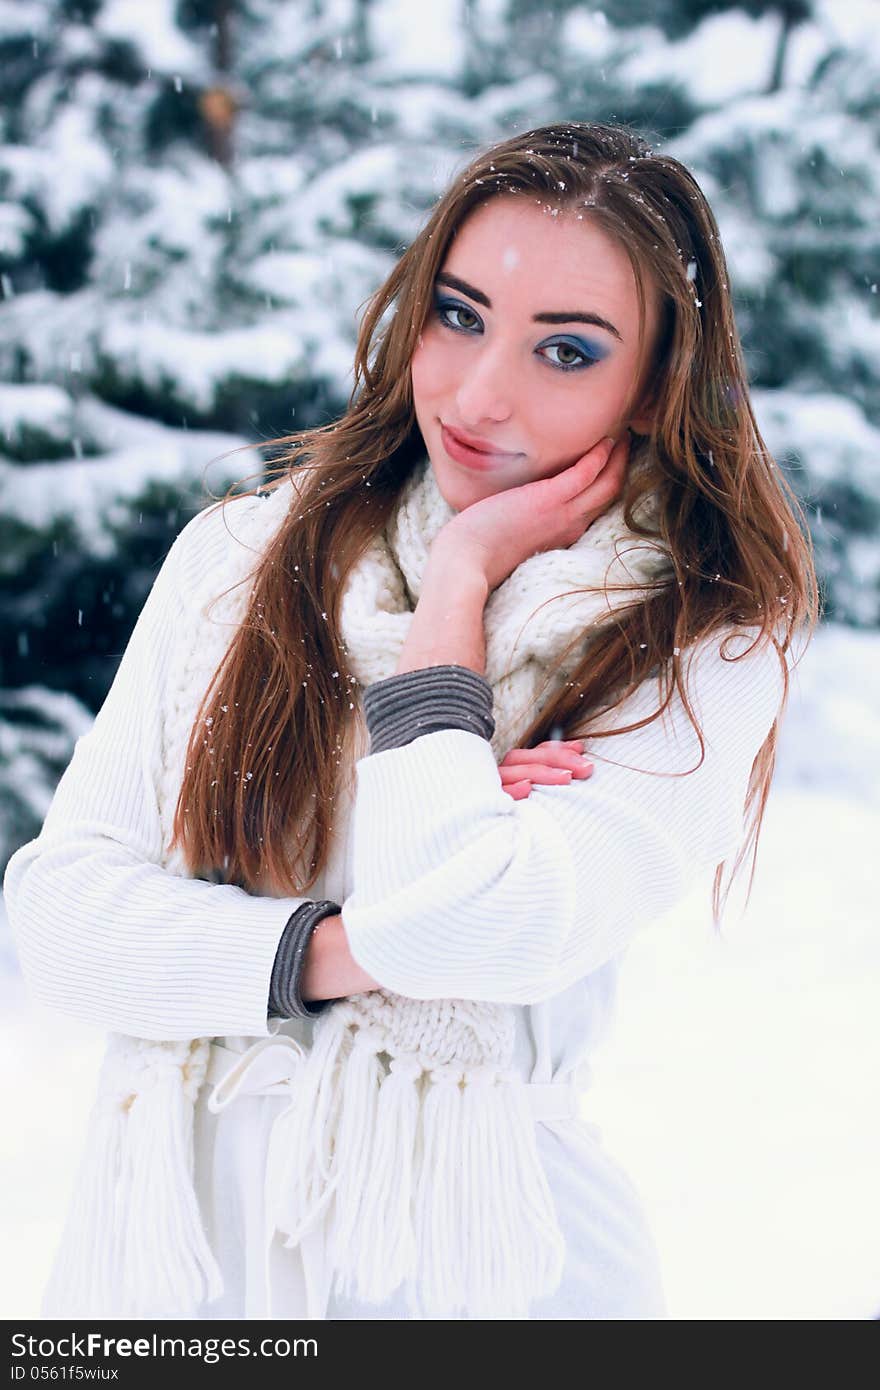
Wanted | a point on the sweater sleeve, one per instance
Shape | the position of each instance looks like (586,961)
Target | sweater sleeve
(104,933)
(461,892)
(414,703)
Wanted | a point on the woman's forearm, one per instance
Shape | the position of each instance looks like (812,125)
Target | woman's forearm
(447,625)
(329,969)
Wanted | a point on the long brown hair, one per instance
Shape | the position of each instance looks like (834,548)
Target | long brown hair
(737,536)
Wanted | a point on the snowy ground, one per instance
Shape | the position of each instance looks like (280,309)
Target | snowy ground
(739,1087)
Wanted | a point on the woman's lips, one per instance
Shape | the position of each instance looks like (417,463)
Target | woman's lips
(471,458)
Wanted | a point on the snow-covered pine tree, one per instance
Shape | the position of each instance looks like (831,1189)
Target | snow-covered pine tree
(792,167)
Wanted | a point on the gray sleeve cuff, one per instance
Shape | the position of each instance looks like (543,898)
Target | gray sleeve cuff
(285,1000)
(403,707)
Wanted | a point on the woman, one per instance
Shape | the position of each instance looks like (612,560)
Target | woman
(352,983)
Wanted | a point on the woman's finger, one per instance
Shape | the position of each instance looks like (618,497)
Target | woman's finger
(545,753)
(518,790)
(605,487)
(541,772)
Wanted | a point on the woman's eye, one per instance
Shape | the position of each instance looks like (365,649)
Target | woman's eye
(581,359)
(444,307)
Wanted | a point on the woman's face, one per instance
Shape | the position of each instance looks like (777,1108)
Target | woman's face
(531,348)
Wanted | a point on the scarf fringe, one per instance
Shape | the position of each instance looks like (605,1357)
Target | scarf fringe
(441,1181)
(163,1212)
(386,1248)
(434,1181)
(133,1244)
(87,1270)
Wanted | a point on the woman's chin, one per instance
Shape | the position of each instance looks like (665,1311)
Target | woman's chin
(460,489)
(451,490)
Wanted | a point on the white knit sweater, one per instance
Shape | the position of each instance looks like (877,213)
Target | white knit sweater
(461,892)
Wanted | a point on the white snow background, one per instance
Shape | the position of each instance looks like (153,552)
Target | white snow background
(739,1086)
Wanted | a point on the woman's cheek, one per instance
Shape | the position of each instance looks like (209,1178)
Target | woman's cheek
(420,370)
(433,365)
(577,429)
(416,372)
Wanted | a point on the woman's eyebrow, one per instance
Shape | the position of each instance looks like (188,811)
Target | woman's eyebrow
(555,316)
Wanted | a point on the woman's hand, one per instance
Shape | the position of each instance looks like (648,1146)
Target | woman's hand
(553,763)
(497,533)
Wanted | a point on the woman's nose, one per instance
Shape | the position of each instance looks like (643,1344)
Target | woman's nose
(486,389)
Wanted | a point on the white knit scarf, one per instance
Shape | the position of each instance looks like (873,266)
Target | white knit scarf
(409,1135)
